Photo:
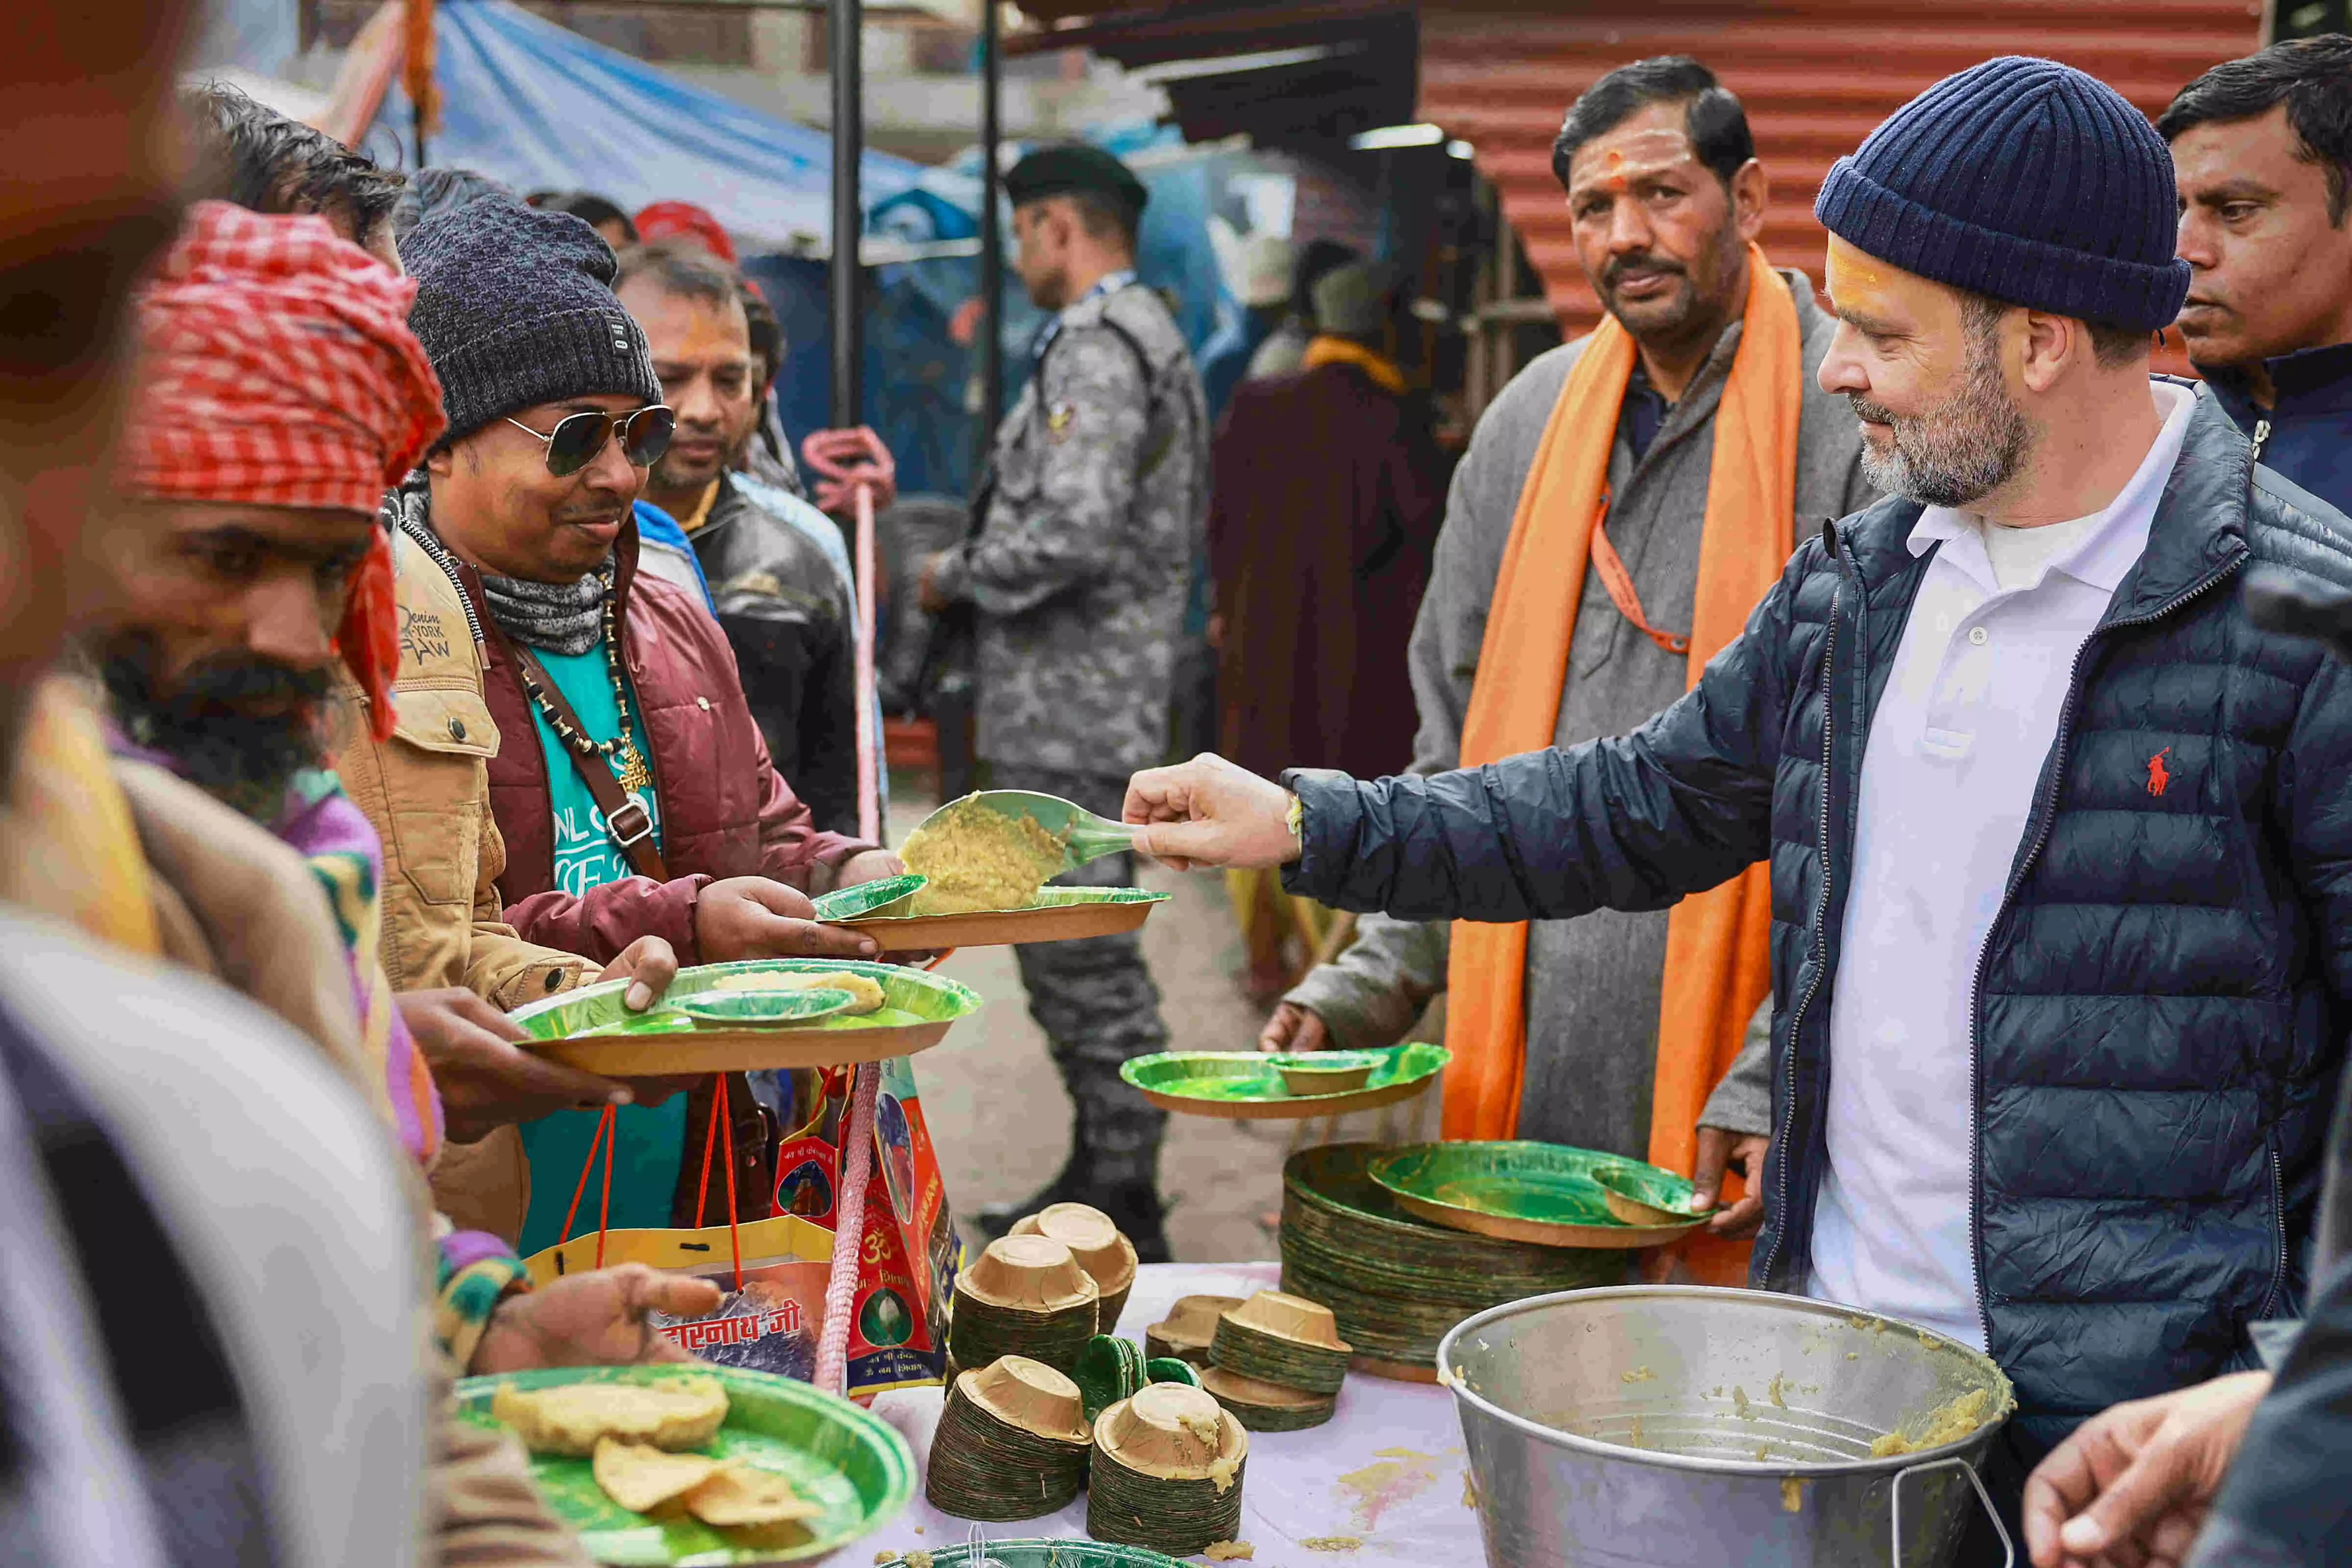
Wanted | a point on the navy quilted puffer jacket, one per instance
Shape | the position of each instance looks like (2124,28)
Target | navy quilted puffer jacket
(2161,1006)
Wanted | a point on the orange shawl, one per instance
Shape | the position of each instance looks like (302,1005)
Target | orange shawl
(1718,942)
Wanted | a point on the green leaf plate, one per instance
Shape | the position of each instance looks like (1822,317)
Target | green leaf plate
(759,1010)
(1245,1085)
(869,898)
(842,1457)
(1540,1193)
(589,1028)
(1059,915)
(1645,1195)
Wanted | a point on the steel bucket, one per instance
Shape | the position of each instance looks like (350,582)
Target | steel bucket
(1639,1426)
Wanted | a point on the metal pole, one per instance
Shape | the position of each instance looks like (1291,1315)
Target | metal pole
(992,236)
(844,19)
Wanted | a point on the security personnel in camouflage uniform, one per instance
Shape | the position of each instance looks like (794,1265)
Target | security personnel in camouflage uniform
(1078,572)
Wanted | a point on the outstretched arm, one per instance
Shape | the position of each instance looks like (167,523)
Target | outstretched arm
(1631,823)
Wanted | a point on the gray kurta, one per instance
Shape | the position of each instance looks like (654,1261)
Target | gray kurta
(1592,983)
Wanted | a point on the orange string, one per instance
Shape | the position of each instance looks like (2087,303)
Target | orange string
(603,1124)
(734,1238)
(604,1210)
(710,1143)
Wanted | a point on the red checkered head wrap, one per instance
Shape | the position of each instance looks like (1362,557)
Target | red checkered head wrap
(277,369)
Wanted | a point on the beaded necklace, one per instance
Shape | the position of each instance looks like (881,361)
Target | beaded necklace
(633,774)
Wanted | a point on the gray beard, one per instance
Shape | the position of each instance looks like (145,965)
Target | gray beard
(1956,453)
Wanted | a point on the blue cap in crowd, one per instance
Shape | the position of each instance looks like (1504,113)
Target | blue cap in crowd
(2025,180)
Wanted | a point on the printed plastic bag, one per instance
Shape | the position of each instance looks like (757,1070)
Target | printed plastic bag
(774,1270)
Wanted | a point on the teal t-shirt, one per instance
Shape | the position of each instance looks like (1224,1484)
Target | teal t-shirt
(649,1141)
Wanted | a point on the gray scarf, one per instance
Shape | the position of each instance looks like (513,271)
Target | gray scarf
(559,617)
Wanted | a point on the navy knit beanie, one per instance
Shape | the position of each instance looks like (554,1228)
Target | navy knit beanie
(515,307)
(2025,180)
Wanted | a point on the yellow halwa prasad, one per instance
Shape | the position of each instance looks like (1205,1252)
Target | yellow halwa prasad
(1947,1423)
(980,860)
(571,1417)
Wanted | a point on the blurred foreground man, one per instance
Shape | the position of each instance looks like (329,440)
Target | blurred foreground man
(1077,574)
(265,334)
(1623,505)
(149,1414)
(2263,151)
(632,792)
(2062,843)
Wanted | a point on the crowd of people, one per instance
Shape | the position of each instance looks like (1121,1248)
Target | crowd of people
(1839,764)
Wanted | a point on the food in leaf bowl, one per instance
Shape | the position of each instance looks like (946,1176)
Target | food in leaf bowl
(1248,1085)
(727,1017)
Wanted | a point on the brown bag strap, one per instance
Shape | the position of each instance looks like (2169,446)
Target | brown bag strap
(1620,584)
(625,818)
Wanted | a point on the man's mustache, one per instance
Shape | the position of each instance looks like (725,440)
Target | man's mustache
(1644,262)
(222,683)
(1872,412)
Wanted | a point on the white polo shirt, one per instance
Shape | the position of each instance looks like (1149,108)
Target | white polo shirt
(1948,772)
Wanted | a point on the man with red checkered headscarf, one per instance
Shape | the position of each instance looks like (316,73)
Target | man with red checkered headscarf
(281,393)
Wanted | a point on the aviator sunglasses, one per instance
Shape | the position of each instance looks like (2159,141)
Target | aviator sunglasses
(576,439)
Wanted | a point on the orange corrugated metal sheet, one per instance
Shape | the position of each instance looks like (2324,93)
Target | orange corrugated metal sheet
(1816,76)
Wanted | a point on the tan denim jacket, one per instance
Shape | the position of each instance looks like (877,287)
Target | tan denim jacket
(427,792)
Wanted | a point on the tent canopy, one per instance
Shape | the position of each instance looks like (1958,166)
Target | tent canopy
(538,107)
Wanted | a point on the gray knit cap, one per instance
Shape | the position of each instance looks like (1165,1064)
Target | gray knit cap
(515,307)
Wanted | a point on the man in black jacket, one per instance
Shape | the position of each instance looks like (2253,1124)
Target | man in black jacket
(2262,147)
(783,605)
(2062,843)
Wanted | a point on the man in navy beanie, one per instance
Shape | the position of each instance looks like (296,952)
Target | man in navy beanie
(2062,843)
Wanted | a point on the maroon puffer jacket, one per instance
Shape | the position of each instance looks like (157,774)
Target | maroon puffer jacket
(724,811)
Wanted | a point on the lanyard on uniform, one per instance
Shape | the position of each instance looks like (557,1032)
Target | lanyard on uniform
(1109,283)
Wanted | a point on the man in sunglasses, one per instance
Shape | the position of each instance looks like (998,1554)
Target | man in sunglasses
(628,785)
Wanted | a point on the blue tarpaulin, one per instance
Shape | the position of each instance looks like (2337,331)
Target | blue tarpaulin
(538,107)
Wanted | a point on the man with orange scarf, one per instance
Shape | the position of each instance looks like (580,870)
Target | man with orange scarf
(1623,505)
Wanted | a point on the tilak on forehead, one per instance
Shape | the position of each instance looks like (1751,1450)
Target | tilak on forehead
(1611,162)
(1858,280)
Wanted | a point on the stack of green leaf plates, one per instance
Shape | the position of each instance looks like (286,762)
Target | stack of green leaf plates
(1011,1444)
(1189,1329)
(1285,1338)
(1025,1295)
(1396,1283)
(837,1454)
(1268,1406)
(1167,1472)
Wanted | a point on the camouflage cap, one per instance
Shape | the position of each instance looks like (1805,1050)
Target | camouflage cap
(1072,167)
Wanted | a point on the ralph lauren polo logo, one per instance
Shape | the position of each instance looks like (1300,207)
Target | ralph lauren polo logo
(2160,776)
